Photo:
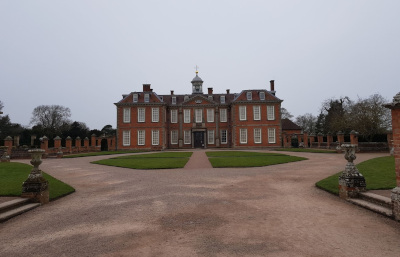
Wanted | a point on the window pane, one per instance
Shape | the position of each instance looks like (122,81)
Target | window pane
(187,137)
(174,116)
(199,115)
(242,112)
(127,115)
(224,136)
(141,114)
(256,112)
(155,114)
(243,136)
(271,112)
(271,136)
(126,138)
(141,137)
(186,113)
(210,115)
(155,137)
(223,115)
(174,136)
(210,137)
(257,135)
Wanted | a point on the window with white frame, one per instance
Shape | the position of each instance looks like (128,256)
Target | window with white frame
(174,116)
(126,138)
(155,114)
(199,115)
(141,115)
(141,137)
(271,112)
(186,115)
(222,99)
(262,95)
(256,112)
(135,98)
(146,98)
(211,136)
(210,115)
(127,115)
(155,137)
(223,115)
(210,97)
(271,136)
(249,95)
(174,100)
(185,98)
(224,136)
(242,113)
(257,135)
(174,137)
(187,140)
(243,136)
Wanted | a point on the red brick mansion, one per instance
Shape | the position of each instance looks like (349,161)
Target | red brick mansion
(249,119)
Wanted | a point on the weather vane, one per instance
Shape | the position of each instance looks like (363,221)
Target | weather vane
(197,67)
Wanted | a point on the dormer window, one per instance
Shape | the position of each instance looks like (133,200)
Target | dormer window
(146,98)
(186,98)
(248,95)
(135,98)
(262,95)
(210,97)
(174,100)
(161,98)
(222,99)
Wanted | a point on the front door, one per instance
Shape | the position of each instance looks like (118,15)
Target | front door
(198,139)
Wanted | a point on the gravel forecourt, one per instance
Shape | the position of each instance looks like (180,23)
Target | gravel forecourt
(199,211)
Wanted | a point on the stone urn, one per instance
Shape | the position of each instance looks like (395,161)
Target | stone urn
(36,187)
(351,182)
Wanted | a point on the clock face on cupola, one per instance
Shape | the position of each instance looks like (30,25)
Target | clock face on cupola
(197,84)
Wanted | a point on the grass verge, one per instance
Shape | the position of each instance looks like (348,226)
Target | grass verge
(100,153)
(379,173)
(305,150)
(169,160)
(236,159)
(13,174)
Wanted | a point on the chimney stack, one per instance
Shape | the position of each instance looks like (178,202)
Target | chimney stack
(146,88)
(210,90)
(272,86)
(228,91)
(172,92)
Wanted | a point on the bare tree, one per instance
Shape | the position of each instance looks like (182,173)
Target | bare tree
(307,122)
(285,114)
(51,118)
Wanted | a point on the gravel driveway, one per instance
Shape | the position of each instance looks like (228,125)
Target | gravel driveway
(199,211)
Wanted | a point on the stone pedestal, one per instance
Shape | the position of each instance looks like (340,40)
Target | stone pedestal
(36,187)
(5,157)
(351,182)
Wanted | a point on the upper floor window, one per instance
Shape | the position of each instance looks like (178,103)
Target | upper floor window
(146,98)
(186,115)
(222,99)
(223,116)
(199,115)
(174,100)
(135,98)
(210,115)
(271,112)
(242,113)
(249,95)
(174,116)
(127,115)
(141,115)
(262,95)
(155,116)
(256,112)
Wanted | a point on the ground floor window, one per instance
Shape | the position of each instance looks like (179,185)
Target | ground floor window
(243,136)
(174,137)
(141,137)
(126,138)
(257,135)
(155,137)
(224,136)
(210,137)
(271,136)
(187,137)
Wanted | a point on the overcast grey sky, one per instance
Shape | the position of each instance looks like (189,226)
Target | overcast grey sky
(85,54)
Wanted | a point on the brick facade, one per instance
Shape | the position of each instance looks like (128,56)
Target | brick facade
(247,119)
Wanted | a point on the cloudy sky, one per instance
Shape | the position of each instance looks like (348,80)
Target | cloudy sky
(85,54)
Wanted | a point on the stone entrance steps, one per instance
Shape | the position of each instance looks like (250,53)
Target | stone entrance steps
(376,203)
(15,207)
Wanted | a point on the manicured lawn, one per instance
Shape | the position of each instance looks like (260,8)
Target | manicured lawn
(305,150)
(224,159)
(169,160)
(379,173)
(13,174)
(100,153)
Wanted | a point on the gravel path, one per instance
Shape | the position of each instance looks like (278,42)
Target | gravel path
(199,211)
